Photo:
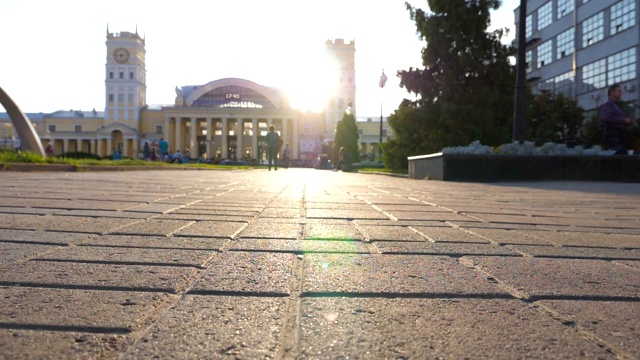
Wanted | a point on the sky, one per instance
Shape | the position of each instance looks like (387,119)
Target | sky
(54,53)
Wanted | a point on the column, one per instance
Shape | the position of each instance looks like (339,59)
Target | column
(125,147)
(295,146)
(168,132)
(209,135)
(285,132)
(135,143)
(254,139)
(99,148)
(194,141)
(109,152)
(224,145)
(240,137)
(65,146)
(178,140)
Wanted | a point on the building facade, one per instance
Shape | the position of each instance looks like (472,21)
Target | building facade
(580,47)
(225,118)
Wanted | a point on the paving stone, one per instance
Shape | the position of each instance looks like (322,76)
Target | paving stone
(128,255)
(288,213)
(247,272)
(341,328)
(97,276)
(632,264)
(201,217)
(393,274)
(22,308)
(216,229)
(331,232)
(153,227)
(449,249)
(157,208)
(264,230)
(300,246)
(430,216)
(560,278)
(345,214)
(62,223)
(575,252)
(42,237)
(617,323)
(448,234)
(31,211)
(200,327)
(394,233)
(504,236)
(13,252)
(38,344)
(157,242)
(573,238)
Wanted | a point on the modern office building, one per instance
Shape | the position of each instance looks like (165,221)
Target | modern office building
(226,118)
(580,47)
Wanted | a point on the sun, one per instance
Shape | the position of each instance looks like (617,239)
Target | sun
(311,83)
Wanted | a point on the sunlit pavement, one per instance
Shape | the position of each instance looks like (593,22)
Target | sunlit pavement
(312,264)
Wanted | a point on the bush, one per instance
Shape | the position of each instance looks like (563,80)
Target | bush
(80,155)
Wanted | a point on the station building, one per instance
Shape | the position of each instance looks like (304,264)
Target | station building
(225,118)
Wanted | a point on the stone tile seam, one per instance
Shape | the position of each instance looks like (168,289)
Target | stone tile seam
(289,342)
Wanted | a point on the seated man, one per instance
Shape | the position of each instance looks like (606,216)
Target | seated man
(344,161)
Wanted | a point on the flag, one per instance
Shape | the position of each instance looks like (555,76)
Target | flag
(383,79)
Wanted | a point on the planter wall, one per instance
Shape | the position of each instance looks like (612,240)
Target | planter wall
(486,168)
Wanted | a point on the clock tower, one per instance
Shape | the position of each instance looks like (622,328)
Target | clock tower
(126,78)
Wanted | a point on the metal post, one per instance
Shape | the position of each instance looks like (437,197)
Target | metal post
(521,86)
(383,80)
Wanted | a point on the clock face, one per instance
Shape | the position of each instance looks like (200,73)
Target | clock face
(121,55)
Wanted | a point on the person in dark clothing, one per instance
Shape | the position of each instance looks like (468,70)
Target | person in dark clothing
(614,122)
(272,147)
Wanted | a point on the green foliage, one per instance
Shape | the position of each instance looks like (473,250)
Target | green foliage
(554,118)
(8,156)
(347,137)
(465,91)
(80,155)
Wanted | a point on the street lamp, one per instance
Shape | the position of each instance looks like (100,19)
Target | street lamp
(383,80)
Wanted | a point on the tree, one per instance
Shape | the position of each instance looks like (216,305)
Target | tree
(465,91)
(553,117)
(347,137)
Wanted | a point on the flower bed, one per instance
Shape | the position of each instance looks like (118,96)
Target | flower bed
(522,162)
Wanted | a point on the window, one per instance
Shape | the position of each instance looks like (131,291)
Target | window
(384,132)
(621,66)
(130,98)
(527,57)
(360,131)
(594,75)
(544,15)
(159,129)
(564,7)
(622,16)
(131,75)
(77,128)
(121,75)
(564,83)
(592,30)
(545,53)
(564,43)
(528,26)
(111,98)
(52,128)
(110,74)
(120,98)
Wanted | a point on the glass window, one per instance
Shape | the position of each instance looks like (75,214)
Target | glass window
(110,97)
(564,83)
(544,15)
(621,66)
(52,128)
(120,97)
(564,7)
(121,75)
(545,53)
(528,26)
(527,57)
(78,128)
(131,75)
(159,129)
(592,30)
(130,98)
(622,16)
(594,75)
(564,43)
(110,74)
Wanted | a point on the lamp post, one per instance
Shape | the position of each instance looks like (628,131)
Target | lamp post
(521,86)
(383,80)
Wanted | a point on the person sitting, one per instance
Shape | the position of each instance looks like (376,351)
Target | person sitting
(344,161)
(186,157)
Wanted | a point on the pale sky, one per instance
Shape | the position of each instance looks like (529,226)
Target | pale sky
(54,53)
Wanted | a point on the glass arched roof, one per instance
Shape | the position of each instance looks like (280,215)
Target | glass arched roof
(233,96)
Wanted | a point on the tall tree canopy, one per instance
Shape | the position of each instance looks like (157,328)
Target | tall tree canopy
(347,137)
(465,90)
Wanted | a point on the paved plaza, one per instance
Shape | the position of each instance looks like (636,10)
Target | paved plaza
(312,264)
